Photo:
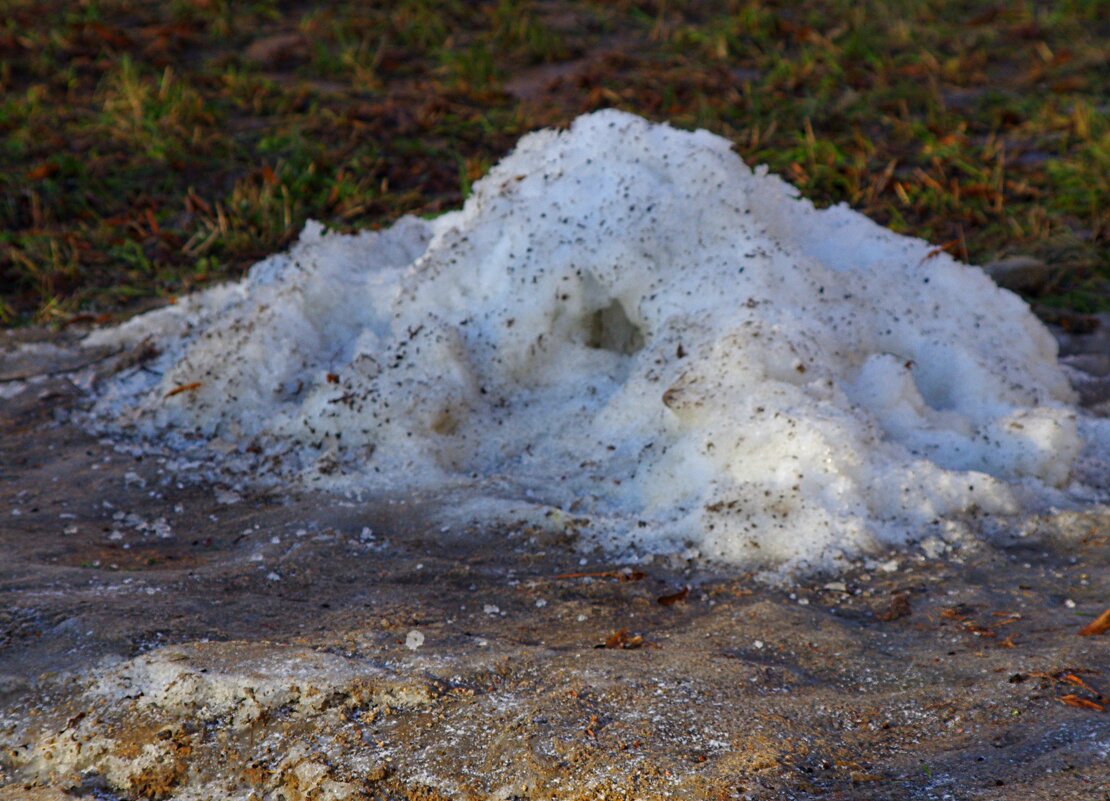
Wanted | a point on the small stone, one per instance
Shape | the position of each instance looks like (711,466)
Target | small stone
(227,497)
(1021,274)
(933,547)
(899,608)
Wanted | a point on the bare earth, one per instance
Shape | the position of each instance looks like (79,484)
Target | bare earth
(161,637)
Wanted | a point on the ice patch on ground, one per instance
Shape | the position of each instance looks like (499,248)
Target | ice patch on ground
(627,323)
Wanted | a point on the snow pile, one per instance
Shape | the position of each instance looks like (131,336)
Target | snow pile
(627,323)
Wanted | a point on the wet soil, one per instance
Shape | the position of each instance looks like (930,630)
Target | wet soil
(162,636)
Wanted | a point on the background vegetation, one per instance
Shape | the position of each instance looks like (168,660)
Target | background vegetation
(147,148)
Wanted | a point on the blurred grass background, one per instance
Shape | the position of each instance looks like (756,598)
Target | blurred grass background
(148,148)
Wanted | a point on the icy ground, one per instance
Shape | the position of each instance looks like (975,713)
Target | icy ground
(627,326)
(277,646)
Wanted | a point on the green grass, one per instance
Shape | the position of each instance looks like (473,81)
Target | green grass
(144,153)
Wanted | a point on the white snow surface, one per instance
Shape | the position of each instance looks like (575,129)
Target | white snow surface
(627,323)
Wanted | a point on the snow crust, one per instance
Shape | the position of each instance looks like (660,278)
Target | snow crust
(626,323)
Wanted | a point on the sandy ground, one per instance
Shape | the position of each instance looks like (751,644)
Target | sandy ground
(162,637)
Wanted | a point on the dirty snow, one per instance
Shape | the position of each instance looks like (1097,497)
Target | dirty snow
(626,324)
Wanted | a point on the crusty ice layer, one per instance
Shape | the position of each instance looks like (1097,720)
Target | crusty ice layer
(626,322)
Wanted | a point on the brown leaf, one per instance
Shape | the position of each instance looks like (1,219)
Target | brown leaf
(978,631)
(623,639)
(44,170)
(1081,703)
(1071,678)
(86,317)
(899,608)
(1099,625)
(674,597)
(959,612)
(184,388)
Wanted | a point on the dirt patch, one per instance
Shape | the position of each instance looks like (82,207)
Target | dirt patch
(264,643)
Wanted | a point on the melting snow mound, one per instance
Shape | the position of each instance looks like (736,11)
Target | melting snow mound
(626,322)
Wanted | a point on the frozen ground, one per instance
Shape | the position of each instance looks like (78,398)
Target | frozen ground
(161,637)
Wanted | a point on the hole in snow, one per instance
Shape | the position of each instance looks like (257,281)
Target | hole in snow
(937,379)
(446,422)
(610,329)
